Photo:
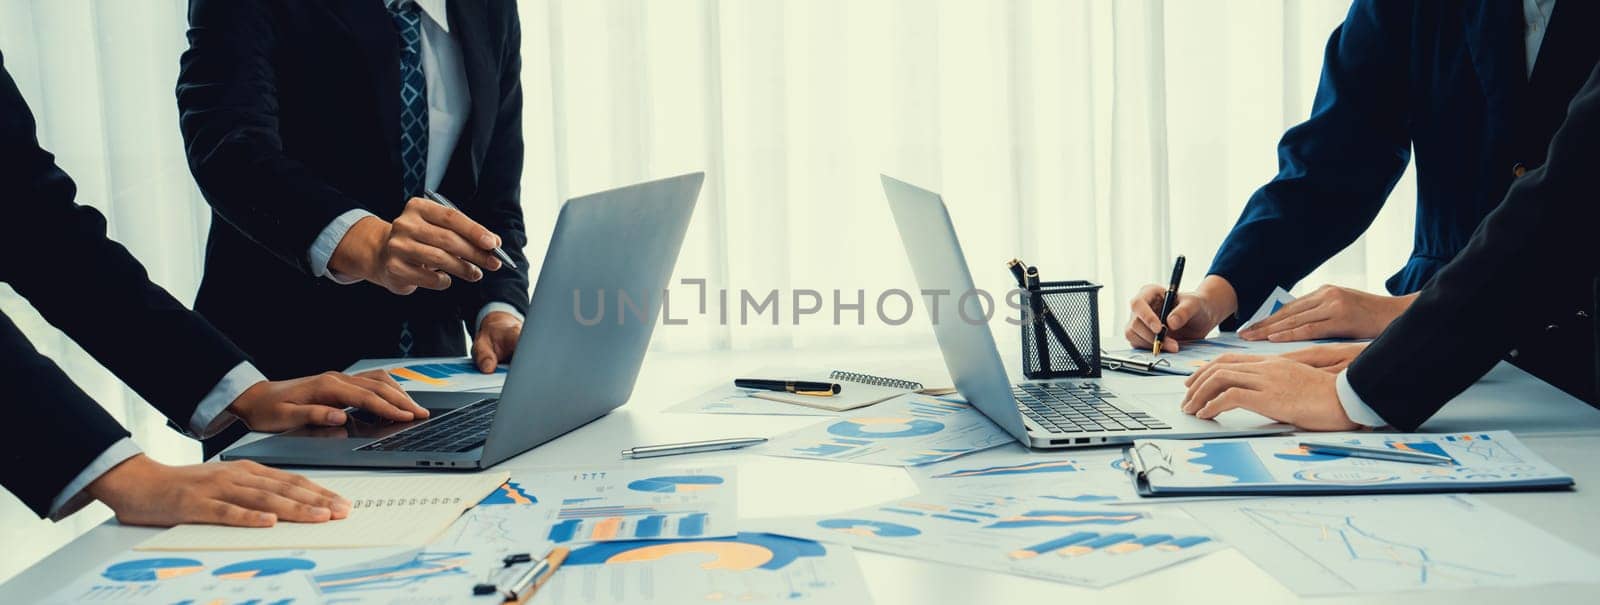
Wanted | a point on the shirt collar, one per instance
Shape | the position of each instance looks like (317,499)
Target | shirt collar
(434,9)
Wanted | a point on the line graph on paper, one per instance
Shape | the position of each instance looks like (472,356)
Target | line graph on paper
(1348,547)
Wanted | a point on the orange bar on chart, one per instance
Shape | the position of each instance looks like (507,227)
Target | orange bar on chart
(410,374)
(606,529)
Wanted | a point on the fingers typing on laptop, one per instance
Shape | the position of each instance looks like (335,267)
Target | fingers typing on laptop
(276,406)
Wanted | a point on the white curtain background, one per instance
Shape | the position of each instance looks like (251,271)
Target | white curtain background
(1094,138)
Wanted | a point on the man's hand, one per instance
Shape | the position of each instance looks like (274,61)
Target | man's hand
(496,340)
(1332,358)
(422,248)
(142,491)
(320,401)
(1330,312)
(1194,315)
(1278,388)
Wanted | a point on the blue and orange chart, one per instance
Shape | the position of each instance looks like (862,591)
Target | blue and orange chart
(1086,545)
(603,523)
(263,568)
(644,506)
(444,374)
(436,374)
(673,484)
(152,570)
(747,567)
(243,578)
(867,527)
(511,492)
(904,431)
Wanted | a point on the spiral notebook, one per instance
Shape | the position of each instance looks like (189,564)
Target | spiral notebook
(857,390)
(385,510)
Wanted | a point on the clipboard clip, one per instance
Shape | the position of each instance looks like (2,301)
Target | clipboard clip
(1131,364)
(1142,466)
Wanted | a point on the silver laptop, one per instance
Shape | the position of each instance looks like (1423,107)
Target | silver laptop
(569,369)
(1043,414)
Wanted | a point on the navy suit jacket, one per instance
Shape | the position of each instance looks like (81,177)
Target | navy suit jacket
(1444,80)
(1447,82)
(290,111)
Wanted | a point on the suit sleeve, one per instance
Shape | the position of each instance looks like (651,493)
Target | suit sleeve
(499,200)
(227,104)
(1484,302)
(52,431)
(56,254)
(1334,170)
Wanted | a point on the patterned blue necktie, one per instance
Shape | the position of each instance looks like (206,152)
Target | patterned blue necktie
(413,116)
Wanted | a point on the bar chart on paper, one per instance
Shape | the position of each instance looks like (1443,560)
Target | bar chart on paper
(607,504)
(602,523)
(445,374)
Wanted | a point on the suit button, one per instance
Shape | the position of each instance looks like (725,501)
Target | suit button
(1519,170)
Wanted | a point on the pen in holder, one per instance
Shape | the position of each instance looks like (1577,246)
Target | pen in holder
(1061,330)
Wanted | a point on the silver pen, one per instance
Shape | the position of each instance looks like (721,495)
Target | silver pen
(444,201)
(1375,453)
(692,447)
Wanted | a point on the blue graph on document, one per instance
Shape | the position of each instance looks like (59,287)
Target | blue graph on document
(1339,541)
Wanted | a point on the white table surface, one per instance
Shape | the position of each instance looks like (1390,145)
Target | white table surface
(1559,427)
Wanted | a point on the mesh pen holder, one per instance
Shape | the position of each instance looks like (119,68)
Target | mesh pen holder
(1061,330)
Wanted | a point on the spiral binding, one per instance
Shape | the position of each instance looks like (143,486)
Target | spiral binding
(361,503)
(877,381)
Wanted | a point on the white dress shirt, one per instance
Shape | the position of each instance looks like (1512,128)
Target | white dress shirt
(1536,14)
(209,418)
(449,104)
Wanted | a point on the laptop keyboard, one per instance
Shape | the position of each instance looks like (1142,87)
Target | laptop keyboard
(1080,408)
(459,430)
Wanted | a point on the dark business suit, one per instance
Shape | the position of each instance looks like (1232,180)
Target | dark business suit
(55,253)
(290,113)
(1449,80)
(1496,292)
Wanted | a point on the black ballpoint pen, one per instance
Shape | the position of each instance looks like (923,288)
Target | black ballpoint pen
(798,387)
(1166,304)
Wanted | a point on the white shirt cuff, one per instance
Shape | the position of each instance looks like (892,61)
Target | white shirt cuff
(1358,410)
(73,497)
(211,416)
(493,307)
(322,248)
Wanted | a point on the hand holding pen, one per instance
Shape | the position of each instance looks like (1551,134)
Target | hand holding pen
(1167,302)
(428,246)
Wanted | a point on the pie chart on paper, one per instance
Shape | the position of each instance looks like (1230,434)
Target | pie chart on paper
(676,484)
(262,568)
(151,570)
